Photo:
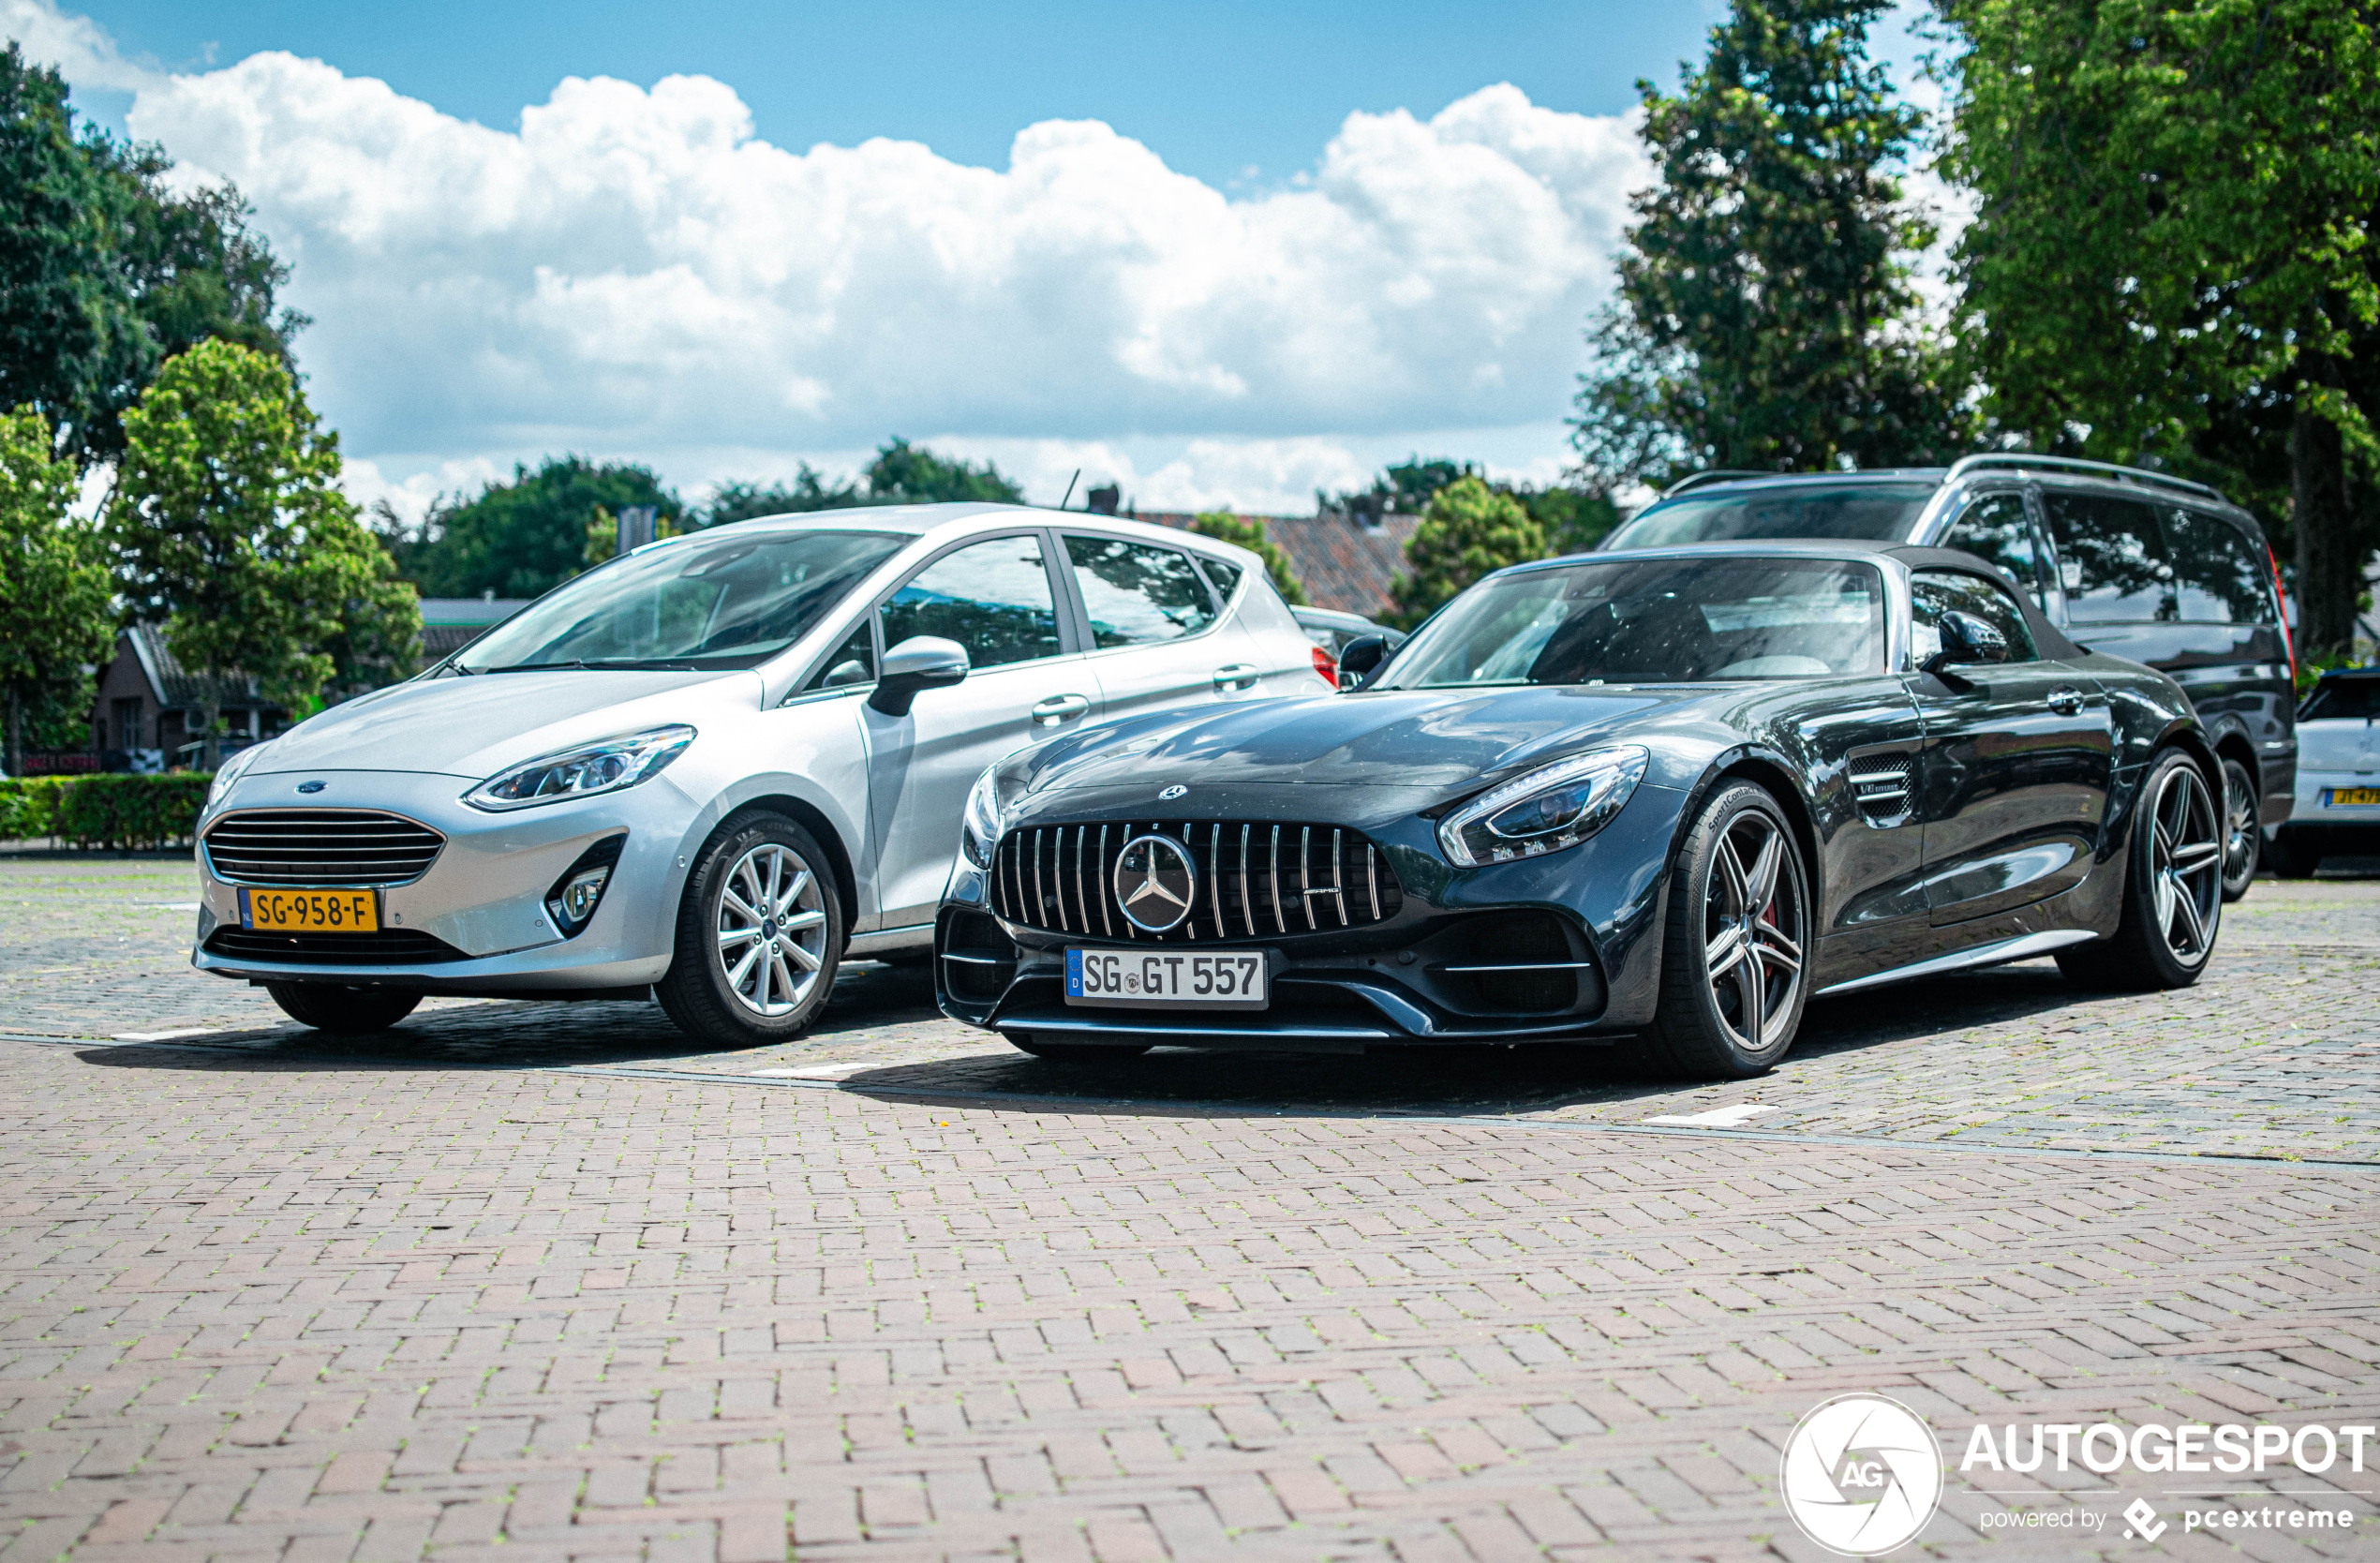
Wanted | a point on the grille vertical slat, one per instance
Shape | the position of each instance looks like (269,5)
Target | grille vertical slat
(1100,878)
(1372,879)
(1247,913)
(1247,880)
(321,846)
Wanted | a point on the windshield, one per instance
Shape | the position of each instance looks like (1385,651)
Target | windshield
(1883,512)
(731,600)
(2343,699)
(1653,621)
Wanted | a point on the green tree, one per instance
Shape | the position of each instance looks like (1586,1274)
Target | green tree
(1765,317)
(2171,259)
(810,490)
(1574,520)
(54,617)
(230,532)
(1249,533)
(526,536)
(906,474)
(106,270)
(1468,529)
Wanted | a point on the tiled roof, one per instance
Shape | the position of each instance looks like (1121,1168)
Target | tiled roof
(178,689)
(1342,563)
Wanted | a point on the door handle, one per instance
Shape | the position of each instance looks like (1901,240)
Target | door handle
(1059,709)
(2065,702)
(1237,676)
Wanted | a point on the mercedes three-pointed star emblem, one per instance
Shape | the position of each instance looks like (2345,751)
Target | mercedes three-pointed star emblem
(1157,882)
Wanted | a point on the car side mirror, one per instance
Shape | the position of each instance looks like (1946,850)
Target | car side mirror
(1966,639)
(1359,657)
(919,662)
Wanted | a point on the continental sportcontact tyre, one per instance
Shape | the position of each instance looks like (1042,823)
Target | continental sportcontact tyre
(759,934)
(2173,886)
(340,1010)
(1732,953)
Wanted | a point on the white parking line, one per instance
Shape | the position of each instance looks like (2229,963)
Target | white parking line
(1733,1117)
(838,1071)
(162,1036)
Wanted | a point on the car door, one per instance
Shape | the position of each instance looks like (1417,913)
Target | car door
(1159,638)
(1026,683)
(2017,756)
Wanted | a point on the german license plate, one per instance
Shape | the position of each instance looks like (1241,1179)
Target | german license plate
(1166,979)
(311,910)
(2350,797)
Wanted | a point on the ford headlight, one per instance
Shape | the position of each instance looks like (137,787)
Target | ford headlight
(582,772)
(980,838)
(1551,808)
(230,771)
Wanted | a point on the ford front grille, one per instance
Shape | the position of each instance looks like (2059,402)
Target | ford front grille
(319,846)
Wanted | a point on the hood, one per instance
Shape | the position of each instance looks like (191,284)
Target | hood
(1430,739)
(476,727)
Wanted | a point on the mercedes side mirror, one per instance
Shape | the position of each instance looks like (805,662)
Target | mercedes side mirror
(1965,639)
(919,662)
(1359,658)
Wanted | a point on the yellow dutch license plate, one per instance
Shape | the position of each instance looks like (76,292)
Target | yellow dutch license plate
(2351,797)
(311,910)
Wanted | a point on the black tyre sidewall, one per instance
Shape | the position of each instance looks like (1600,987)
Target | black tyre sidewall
(2141,942)
(341,1010)
(694,990)
(2232,770)
(1688,1031)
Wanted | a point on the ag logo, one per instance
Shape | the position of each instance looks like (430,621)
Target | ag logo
(1156,882)
(1862,1475)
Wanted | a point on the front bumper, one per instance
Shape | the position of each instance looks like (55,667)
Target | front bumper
(482,900)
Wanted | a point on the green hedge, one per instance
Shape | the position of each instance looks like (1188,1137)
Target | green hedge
(113,812)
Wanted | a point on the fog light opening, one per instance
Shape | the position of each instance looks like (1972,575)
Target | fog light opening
(574,897)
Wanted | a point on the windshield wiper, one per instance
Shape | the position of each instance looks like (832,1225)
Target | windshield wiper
(583,665)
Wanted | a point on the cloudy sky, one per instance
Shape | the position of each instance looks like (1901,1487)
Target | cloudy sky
(1220,254)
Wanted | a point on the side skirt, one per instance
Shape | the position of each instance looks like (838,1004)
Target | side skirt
(1999,952)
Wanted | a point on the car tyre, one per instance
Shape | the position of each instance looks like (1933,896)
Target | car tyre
(341,1010)
(1075,1053)
(2173,888)
(2288,856)
(2244,835)
(1735,941)
(760,935)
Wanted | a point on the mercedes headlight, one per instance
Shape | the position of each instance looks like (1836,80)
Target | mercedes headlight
(231,772)
(980,838)
(582,772)
(1551,808)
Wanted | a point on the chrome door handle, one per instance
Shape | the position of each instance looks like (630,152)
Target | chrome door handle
(2065,702)
(1238,675)
(1059,709)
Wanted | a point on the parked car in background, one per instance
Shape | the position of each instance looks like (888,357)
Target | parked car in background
(712,767)
(2338,812)
(2130,563)
(1331,629)
(1669,795)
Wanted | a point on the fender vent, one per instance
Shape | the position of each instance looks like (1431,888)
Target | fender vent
(1885,787)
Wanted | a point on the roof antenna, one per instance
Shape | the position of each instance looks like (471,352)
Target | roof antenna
(1070,487)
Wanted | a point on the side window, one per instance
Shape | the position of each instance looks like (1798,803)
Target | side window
(1935,592)
(2112,555)
(852,662)
(2219,574)
(1138,594)
(1995,528)
(1225,574)
(992,598)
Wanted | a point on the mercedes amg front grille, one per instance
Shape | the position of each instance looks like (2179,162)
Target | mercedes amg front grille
(319,846)
(1255,879)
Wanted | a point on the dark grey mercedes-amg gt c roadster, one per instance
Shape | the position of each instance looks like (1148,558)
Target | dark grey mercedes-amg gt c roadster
(1667,795)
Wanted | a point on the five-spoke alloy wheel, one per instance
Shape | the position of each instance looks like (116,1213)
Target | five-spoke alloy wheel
(2173,886)
(1733,980)
(759,934)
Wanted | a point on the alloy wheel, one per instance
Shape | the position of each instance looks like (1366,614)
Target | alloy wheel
(2185,865)
(2239,829)
(771,926)
(1753,925)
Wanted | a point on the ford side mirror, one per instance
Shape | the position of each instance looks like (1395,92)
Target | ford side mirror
(1965,639)
(919,662)
(1359,657)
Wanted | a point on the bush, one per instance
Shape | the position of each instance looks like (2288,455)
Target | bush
(118,813)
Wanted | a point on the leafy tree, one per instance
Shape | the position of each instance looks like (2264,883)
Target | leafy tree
(810,490)
(1468,529)
(54,617)
(526,536)
(1574,520)
(2172,258)
(906,474)
(1249,534)
(231,531)
(602,535)
(1764,316)
(106,270)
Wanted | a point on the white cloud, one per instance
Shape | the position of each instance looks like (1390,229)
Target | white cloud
(631,273)
(79,47)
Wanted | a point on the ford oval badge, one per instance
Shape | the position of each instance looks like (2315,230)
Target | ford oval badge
(311,786)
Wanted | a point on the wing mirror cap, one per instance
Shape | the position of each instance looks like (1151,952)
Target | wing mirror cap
(1966,639)
(1359,658)
(919,662)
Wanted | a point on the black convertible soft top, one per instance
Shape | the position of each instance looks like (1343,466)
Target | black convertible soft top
(2051,639)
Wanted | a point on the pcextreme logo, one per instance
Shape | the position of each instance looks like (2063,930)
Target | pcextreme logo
(1862,1475)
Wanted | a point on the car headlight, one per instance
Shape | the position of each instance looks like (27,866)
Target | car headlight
(231,772)
(980,838)
(605,767)
(1551,808)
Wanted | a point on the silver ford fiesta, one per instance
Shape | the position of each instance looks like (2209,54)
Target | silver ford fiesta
(712,767)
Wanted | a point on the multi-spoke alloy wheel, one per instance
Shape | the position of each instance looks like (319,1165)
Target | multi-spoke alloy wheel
(2185,862)
(1734,948)
(760,933)
(771,930)
(2242,832)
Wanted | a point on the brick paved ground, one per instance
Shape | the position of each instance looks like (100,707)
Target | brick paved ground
(455,1291)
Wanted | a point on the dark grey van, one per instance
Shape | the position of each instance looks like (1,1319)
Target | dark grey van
(2130,562)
